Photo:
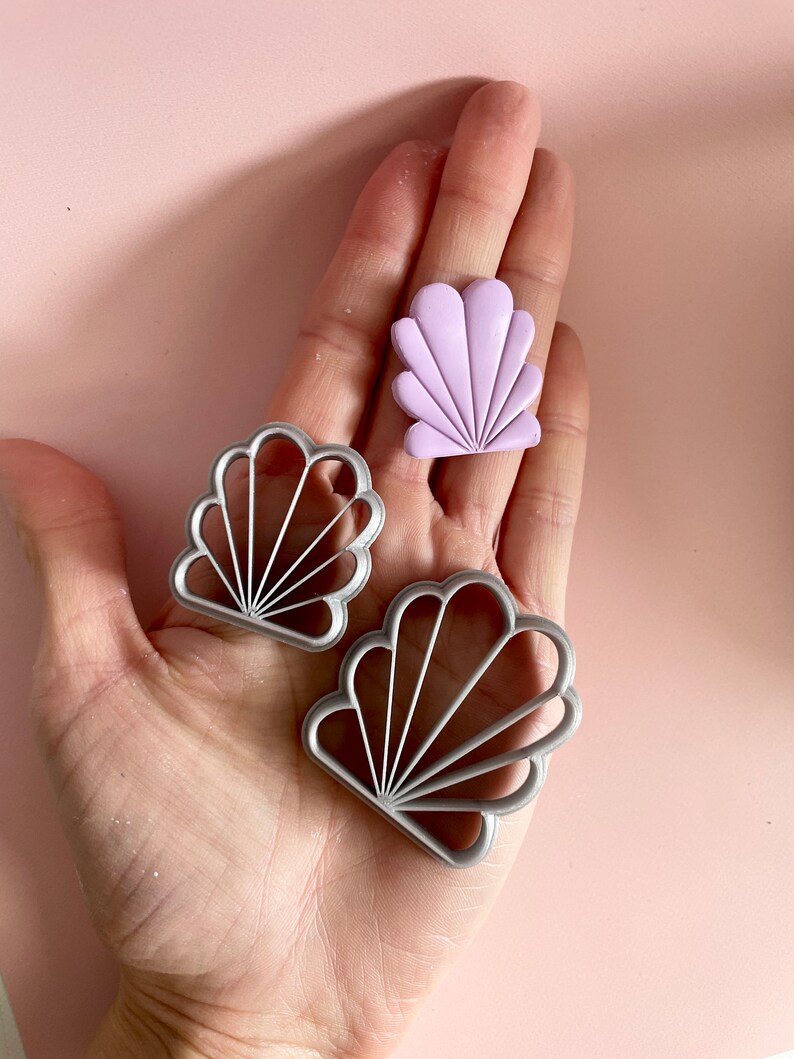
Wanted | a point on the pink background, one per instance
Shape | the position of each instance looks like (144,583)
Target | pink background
(173,178)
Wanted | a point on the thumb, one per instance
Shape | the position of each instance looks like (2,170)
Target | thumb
(72,533)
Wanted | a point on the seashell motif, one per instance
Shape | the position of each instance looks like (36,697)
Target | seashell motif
(468,383)
(266,564)
(403,773)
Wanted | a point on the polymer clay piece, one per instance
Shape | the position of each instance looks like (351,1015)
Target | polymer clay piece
(402,772)
(267,564)
(467,383)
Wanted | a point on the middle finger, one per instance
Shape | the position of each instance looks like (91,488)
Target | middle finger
(481,190)
(474,490)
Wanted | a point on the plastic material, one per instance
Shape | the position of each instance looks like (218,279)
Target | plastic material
(397,786)
(259,596)
(467,383)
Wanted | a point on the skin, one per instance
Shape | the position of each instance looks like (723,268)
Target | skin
(254,906)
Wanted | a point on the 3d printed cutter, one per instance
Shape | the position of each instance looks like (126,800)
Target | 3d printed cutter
(257,592)
(397,785)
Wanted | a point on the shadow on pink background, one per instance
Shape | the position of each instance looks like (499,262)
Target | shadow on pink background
(176,187)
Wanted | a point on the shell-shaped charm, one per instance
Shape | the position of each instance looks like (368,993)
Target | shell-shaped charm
(468,383)
(273,547)
(432,727)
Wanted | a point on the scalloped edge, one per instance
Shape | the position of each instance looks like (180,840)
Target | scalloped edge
(344,698)
(359,548)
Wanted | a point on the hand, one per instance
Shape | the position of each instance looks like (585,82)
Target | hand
(256,907)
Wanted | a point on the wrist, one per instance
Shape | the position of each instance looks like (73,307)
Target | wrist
(148,1024)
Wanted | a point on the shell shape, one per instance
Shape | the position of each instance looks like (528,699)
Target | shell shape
(397,781)
(261,591)
(468,383)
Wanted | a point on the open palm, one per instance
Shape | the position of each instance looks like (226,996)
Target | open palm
(254,904)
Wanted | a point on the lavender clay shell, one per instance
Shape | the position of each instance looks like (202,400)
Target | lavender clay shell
(467,383)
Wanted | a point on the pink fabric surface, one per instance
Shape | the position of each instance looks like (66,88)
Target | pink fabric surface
(173,179)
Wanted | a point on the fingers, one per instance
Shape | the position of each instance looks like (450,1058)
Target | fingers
(482,186)
(537,530)
(473,490)
(338,350)
(72,534)
(481,189)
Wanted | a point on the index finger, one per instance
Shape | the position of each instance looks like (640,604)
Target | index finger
(338,351)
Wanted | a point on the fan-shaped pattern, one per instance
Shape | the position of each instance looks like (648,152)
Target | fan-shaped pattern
(400,782)
(261,592)
(468,384)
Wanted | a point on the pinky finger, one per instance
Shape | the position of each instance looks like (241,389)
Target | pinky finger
(537,530)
